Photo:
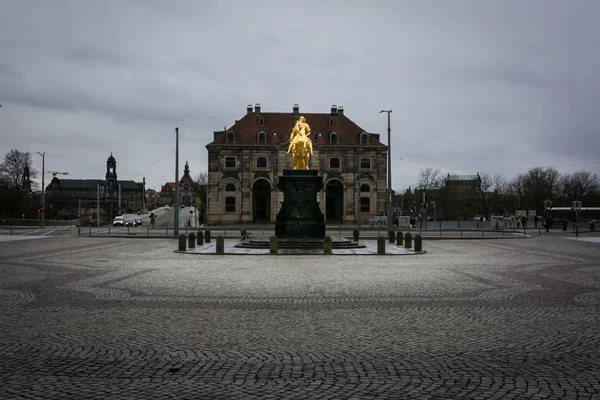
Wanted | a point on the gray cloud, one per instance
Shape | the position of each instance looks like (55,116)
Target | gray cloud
(474,85)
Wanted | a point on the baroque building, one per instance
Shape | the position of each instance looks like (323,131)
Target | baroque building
(190,193)
(66,197)
(246,159)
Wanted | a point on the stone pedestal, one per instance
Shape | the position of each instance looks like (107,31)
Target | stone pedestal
(300,216)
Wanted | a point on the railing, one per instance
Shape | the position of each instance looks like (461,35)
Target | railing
(23,222)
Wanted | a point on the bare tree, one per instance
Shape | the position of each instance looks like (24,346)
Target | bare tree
(579,184)
(535,186)
(430,179)
(13,167)
(202,178)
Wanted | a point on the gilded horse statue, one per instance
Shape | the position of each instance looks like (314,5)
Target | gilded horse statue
(300,144)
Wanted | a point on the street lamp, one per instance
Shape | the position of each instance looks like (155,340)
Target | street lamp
(43,209)
(389,173)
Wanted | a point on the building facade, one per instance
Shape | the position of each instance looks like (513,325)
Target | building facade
(66,197)
(246,159)
(190,193)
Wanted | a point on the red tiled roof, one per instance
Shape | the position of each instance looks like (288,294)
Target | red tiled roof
(278,127)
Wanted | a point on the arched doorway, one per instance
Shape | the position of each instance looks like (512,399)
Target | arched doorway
(261,201)
(334,201)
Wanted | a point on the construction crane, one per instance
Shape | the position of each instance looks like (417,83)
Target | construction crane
(54,173)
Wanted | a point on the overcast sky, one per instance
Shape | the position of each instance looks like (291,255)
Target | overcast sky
(474,85)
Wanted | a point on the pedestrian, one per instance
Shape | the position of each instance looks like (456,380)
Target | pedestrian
(518,222)
(548,224)
(535,221)
(565,222)
(524,221)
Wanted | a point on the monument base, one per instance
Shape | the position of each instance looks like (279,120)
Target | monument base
(300,217)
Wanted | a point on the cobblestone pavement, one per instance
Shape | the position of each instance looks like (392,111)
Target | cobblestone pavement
(130,319)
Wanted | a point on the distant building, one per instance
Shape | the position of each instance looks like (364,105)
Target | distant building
(246,159)
(65,196)
(463,181)
(462,196)
(190,193)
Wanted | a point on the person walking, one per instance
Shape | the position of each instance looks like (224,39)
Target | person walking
(565,223)
(535,221)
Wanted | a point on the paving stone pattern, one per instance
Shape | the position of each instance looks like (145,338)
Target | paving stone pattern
(492,319)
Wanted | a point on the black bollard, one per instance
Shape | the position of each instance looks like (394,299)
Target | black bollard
(327,245)
(356,235)
(381,245)
(392,236)
(408,240)
(181,243)
(200,239)
(399,238)
(207,236)
(191,240)
(418,243)
(220,244)
(273,245)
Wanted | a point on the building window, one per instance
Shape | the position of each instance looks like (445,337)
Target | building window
(365,163)
(229,204)
(333,138)
(334,162)
(262,137)
(261,162)
(365,188)
(230,187)
(331,122)
(261,121)
(230,137)
(364,138)
(365,204)
(230,162)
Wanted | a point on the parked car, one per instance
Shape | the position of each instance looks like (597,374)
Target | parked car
(131,222)
(120,220)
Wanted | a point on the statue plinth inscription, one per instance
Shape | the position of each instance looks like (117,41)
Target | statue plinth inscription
(300,216)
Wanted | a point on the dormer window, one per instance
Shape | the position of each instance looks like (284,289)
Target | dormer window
(261,121)
(331,122)
(230,137)
(333,138)
(364,138)
(262,137)
(334,162)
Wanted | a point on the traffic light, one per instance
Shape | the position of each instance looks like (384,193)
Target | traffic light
(78,215)
(411,209)
(550,205)
(41,208)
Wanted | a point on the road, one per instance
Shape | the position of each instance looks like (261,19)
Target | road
(130,319)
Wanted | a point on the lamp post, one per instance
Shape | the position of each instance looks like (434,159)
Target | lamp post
(176,199)
(43,210)
(389,173)
(358,151)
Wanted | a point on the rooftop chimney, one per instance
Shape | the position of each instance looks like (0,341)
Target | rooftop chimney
(340,110)
(257,109)
(249,109)
(334,110)
(296,109)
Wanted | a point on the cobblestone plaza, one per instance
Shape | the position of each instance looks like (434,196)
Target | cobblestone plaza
(130,319)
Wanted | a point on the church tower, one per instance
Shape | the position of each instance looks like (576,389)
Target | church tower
(111,172)
(26,179)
